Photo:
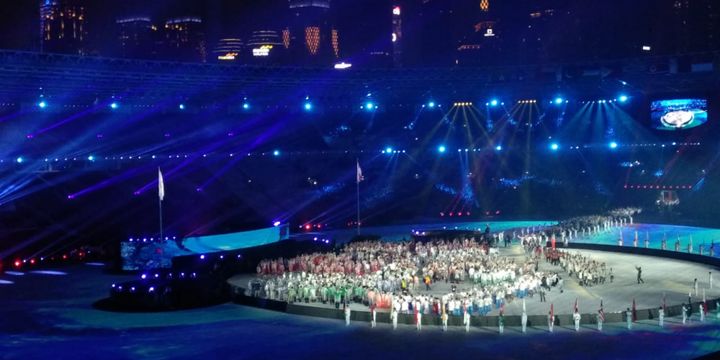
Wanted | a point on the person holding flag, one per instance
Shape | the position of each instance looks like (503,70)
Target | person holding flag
(394,317)
(358,179)
(501,319)
(703,308)
(576,316)
(373,312)
(444,318)
(551,318)
(634,311)
(628,318)
(661,313)
(466,319)
(600,316)
(523,318)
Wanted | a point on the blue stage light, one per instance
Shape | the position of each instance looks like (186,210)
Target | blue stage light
(246,106)
(19,160)
(613,145)
(623,98)
(181,106)
(431,104)
(388,150)
(42,104)
(91,158)
(494,102)
(498,148)
(441,149)
(308,106)
(276,153)
(276,224)
(559,100)
(114,105)
(554,146)
(369,106)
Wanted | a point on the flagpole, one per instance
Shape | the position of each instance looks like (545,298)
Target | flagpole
(357,185)
(161,218)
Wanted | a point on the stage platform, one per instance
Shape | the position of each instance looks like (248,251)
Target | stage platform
(663,277)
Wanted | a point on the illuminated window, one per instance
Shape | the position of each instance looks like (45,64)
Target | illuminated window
(312,39)
(484,5)
(336,43)
(286,38)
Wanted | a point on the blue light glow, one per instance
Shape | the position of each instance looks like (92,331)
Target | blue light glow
(91,158)
(388,150)
(431,104)
(498,148)
(20,160)
(369,106)
(114,105)
(308,106)
(623,98)
(494,102)
(276,224)
(181,106)
(247,106)
(554,146)
(441,149)
(42,104)
(559,100)
(613,145)
(276,153)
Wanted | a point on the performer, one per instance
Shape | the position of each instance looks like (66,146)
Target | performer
(418,320)
(551,320)
(373,312)
(695,286)
(394,318)
(628,317)
(600,317)
(444,318)
(347,315)
(684,314)
(523,319)
(576,318)
(501,322)
(661,316)
(702,312)
(717,308)
(466,320)
(639,275)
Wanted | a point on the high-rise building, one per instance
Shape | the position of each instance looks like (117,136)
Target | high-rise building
(138,37)
(228,50)
(63,27)
(265,46)
(185,39)
(311,38)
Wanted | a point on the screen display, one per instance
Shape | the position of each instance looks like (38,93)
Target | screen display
(679,114)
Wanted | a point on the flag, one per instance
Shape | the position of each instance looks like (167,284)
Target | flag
(161,186)
(576,305)
(360,177)
(634,312)
(552,241)
(523,304)
(601,312)
(552,312)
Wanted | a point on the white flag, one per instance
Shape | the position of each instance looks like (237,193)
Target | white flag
(359,173)
(161,186)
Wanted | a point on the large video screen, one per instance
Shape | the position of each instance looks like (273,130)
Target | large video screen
(679,114)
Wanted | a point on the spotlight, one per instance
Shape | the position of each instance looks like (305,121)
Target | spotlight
(246,106)
(559,100)
(369,106)
(388,150)
(498,148)
(42,104)
(554,146)
(19,160)
(441,149)
(431,104)
(494,102)
(308,106)
(623,98)
(91,158)
(613,145)
(276,224)
(276,153)
(181,106)
(114,105)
